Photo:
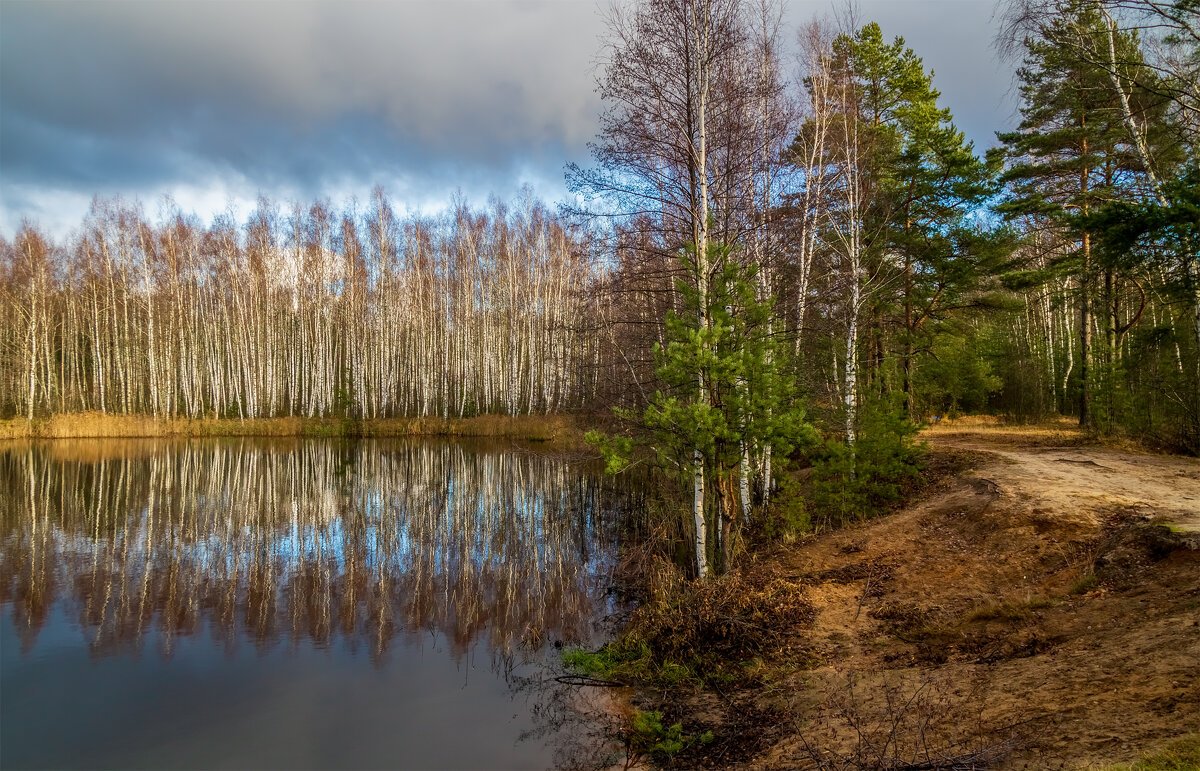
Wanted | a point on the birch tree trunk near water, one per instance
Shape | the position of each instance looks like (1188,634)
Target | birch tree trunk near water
(33,253)
(677,158)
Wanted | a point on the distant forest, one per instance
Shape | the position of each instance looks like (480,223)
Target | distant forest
(747,238)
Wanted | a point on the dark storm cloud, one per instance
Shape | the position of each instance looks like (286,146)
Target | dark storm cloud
(215,100)
(99,97)
(954,39)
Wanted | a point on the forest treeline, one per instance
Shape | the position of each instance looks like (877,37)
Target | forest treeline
(835,263)
(769,252)
(305,312)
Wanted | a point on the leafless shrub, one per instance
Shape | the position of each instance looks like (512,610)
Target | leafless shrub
(935,724)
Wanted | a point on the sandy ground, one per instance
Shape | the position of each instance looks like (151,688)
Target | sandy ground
(1039,610)
(1047,470)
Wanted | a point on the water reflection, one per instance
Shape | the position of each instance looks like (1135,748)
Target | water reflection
(366,542)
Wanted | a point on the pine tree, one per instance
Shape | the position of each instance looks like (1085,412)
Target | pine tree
(929,179)
(748,397)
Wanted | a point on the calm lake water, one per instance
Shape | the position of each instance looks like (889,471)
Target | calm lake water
(293,604)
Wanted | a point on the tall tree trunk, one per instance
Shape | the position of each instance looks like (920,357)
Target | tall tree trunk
(1085,334)
(701,32)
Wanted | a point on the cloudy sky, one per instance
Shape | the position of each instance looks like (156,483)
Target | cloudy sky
(214,102)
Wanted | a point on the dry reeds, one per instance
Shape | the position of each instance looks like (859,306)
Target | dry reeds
(98,425)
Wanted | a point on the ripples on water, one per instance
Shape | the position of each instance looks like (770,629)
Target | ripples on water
(319,602)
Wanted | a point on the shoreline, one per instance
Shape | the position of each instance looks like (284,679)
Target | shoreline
(559,428)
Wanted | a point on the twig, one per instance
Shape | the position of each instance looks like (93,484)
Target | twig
(582,680)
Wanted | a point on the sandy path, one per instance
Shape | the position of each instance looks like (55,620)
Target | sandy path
(1086,479)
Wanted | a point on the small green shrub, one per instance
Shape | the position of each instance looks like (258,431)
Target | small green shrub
(626,659)
(852,483)
(650,737)
(787,516)
(1084,584)
(629,659)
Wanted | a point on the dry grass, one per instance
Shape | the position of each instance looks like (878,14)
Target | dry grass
(1180,755)
(1060,431)
(726,620)
(1053,432)
(98,425)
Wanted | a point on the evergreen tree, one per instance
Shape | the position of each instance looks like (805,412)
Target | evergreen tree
(1158,236)
(921,180)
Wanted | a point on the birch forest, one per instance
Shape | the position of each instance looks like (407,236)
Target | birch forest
(303,311)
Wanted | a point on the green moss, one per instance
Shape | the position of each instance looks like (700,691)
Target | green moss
(630,660)
(627,660)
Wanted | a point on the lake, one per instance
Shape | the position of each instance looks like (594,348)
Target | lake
(295,603)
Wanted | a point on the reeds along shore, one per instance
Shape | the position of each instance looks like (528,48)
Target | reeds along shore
(95,425)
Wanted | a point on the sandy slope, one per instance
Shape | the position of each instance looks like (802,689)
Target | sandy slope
(1032,611)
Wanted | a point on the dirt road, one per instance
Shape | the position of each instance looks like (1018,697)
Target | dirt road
(1054,471)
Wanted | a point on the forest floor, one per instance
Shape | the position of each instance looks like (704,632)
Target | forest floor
(1038,606)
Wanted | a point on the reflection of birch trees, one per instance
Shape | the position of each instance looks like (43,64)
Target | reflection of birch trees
(309,541)
(308,312)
